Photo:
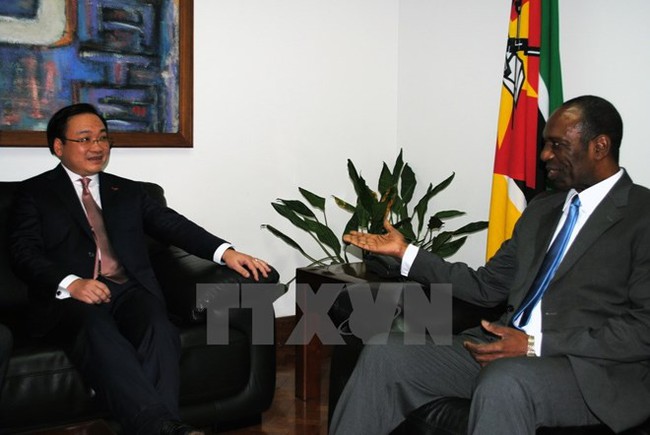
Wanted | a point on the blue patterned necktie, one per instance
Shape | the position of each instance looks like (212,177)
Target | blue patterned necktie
(549,266)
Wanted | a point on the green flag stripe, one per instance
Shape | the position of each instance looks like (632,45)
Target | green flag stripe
(550,68)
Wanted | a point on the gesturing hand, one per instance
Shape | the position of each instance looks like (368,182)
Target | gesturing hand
(513,342)
(392,243)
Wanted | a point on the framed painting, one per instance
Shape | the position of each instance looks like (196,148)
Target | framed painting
(132,59)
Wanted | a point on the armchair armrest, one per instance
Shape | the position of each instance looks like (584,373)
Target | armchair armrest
(178,273)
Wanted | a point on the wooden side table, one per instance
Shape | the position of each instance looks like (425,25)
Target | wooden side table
(309,356)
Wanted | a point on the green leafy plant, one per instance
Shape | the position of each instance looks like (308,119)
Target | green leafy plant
(392,199)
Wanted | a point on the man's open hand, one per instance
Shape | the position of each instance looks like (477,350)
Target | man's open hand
(392,243)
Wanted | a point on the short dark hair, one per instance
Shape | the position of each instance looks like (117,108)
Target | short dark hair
(599,116)
(58,124)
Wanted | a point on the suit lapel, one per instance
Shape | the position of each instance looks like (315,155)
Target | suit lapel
(105,191)
(110,197)
(548,223)
(62,187)
(603,217)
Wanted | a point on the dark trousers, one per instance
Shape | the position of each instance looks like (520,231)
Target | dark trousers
(128,352)
(6,343)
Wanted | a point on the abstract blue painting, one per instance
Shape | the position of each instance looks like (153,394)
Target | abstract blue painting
(121,55)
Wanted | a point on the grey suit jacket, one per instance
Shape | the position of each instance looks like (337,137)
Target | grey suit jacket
(596,311)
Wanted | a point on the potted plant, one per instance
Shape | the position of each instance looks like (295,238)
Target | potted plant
(392,199)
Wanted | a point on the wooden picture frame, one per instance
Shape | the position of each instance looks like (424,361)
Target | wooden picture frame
(182,137)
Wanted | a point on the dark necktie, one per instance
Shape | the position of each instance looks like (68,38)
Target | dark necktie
(549,266)
(106,263)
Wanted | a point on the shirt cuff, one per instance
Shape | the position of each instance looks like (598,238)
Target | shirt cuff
(62,292)
(538,343)
(408,259)
(219,253)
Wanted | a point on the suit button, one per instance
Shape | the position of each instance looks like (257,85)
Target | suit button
(510,309)
(91,254)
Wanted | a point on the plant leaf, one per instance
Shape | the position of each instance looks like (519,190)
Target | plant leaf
(298,207)
(286,239)
(354,176)
(364,218)
(451,248)
(325,235)
(286,212)
(397,168)
(444,183)
(385,180)
(471,227)
(399,208)
(439,240)
(313,199)
(365,196)
(376,224)
(406,228)
(343,204)
(353,223)
(408,184)
(423,204)
(446,214)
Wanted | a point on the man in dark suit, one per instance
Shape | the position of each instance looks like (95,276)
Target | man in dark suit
(583,355)
(92,285)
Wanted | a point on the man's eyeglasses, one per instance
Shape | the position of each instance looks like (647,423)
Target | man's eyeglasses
(102,140)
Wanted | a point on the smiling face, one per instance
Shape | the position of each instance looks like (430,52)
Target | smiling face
(569,162)
(83,158)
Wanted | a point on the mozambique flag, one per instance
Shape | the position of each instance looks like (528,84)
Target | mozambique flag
(531,90)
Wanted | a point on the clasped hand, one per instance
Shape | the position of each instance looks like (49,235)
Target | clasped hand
(512,342)
(90,291)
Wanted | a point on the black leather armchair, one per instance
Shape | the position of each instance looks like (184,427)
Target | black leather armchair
(447,415)
(224,385)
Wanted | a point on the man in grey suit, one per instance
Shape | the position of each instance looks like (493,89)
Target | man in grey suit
(583,357)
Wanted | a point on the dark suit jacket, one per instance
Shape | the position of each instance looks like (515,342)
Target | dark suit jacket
(596,310)
(50,237)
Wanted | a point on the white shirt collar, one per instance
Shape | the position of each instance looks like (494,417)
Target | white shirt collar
(593,195)
(74,177)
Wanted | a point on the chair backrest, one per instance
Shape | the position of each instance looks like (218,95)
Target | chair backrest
(13,292)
